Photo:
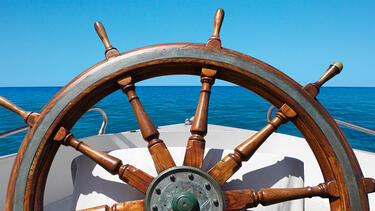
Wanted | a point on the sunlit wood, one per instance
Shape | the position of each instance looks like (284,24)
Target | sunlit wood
(123,206)
(158,150)
(129,174)
(241,199)
(110,51)
(196,143)
(28,116)
(314,88)
(214,40)
(225,168)
(369,184)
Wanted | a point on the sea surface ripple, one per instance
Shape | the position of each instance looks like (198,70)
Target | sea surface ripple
(229,105)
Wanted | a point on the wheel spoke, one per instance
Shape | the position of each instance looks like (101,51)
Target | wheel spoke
(123,206)
(128,173)
(196,143)
(240,199)
(28,116)
(314,88)
(225,168)
(158,150)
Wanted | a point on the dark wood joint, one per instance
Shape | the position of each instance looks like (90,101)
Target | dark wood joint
(197,137)
(121,172)
(159,152)
(153,141)
(236,156)
(32,118)
(148,130)
(328,190)
(369,184)
(214,41)
(208,74)
(63,136)
(126,84)
(287,111)
(110,51)
(29,117)
(313,88)
(240,199)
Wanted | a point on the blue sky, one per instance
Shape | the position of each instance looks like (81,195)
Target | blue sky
(48,43)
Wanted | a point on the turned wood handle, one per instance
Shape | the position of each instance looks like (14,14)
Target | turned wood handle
(148,129)
(158,150)
(122,206)
(102,34)
(333,70)
(199,125)
(14,108)
(240,199)
(108,162)
(98,208)
(219,16)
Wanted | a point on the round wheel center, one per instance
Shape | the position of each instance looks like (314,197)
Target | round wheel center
(184,189)
(185,202)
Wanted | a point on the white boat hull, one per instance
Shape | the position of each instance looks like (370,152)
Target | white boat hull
(59,186)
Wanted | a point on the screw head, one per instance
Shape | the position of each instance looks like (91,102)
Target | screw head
(154,208)
(208,186)
(216,202)
(191,176)
(172,178)
(158,191)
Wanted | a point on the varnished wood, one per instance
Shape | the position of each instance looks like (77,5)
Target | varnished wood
(369,184)
(158,150)
(32,118)
(314,88)
(240,199)
(110,51)
(123,206)
(129,206)
(331,166)
(28,116)
(14,108)
(248,147)
(98,208)
(129,174)
(214,40)
(225,168)
(196,143)
(135,177)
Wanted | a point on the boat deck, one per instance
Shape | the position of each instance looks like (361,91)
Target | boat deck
(60,183)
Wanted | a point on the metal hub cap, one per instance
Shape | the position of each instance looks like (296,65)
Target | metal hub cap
(185,201)
(184,189)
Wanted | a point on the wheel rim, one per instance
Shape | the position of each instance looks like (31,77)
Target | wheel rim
(332,150)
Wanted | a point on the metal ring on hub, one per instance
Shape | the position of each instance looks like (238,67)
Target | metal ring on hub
(184,188)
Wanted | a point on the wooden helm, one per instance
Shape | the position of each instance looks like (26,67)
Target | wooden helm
(343,183)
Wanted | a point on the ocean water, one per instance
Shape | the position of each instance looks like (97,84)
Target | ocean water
(229,105)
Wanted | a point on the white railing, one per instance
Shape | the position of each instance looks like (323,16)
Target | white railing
(100,132)
(338,121)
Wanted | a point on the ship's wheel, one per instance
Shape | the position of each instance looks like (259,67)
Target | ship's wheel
(343,183)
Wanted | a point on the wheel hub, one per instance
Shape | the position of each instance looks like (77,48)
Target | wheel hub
(184,189)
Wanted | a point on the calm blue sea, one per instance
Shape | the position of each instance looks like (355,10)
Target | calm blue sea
(229,106)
